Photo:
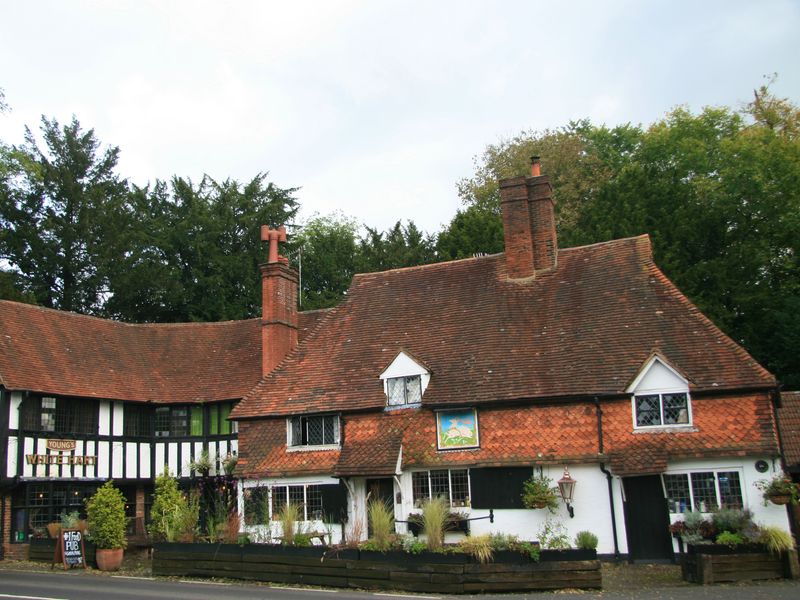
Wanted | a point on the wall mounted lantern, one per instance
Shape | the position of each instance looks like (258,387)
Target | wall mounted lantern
(566,485)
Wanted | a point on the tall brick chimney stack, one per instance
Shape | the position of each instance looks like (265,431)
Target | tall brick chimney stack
(529,225)
(278,303)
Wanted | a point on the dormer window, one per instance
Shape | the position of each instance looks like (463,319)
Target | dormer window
(662,409)
(314,430)
(404,381)
(660,396)
(404,390)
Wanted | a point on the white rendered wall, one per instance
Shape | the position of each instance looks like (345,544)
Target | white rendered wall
(590,504)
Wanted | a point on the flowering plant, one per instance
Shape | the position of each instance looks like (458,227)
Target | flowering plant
(779,485)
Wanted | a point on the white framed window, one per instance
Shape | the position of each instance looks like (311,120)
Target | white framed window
(450,484)
(703,491)
(404,390)
(658,410)
(313,430)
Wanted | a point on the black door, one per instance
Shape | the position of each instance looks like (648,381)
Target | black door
(647,519)
(381,489)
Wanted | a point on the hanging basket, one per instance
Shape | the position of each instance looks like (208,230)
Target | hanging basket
(780,498)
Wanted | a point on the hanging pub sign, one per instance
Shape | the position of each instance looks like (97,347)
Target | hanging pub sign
(70,550)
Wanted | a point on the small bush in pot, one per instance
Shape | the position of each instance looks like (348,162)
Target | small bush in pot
(586,540)
(107,523)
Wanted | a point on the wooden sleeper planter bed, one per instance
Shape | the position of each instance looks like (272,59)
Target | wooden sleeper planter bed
(352,568)
(715,563)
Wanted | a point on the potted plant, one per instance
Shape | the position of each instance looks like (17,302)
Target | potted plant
(107,523)
(539,492)
(778,490)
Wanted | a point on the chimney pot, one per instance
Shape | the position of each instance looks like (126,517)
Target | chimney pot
(536,168)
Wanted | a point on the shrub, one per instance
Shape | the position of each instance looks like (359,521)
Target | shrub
(538,492)
(776,539)
(728,538)
(301,540)
(289,515)
(586,540)
(168,503)
(504,541)
(233,524)
(553,536)
(381,522)
(434,520)
(106,517)
(732,520)
(187,517)
(412,544)
(478,546)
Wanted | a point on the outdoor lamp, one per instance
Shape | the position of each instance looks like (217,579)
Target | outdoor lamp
(566,485)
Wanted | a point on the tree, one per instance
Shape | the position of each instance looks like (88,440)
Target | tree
(474,230)
(578,159)
(400,246)
(720,197)
(194,252)
(57,207)
(327,249)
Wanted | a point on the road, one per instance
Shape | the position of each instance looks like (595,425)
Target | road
(76,585)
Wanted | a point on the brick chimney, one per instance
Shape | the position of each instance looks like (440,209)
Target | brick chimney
(529,225)
(278,303)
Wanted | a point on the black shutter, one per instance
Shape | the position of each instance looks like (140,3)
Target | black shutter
(334,502)
(498,487)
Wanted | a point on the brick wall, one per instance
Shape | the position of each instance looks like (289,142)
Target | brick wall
(11,551)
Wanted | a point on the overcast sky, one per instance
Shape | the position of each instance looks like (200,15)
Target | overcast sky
(374,109)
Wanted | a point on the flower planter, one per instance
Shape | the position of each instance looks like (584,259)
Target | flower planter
(109,559)
(715,563)
(431,572)
(780,498)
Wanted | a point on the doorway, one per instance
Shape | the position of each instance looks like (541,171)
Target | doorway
(647,520)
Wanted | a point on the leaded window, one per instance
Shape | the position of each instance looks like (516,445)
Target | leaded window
(703,491)
(174,421)
(307,497)
(404,390)
(450,484)
(315,430)
(653,410)
(60,415)
(137,420)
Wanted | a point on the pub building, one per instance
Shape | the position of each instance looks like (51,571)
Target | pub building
(84,400)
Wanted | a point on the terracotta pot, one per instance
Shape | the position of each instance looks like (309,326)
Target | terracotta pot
(109,560)
(780,498)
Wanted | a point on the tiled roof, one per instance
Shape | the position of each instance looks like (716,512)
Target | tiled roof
(789,415)
(584,328)
(531,433)
(55,352)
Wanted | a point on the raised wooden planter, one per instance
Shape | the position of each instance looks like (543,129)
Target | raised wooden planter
(718,564)
(425,572)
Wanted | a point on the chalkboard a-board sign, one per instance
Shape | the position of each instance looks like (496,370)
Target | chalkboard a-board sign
(69,549)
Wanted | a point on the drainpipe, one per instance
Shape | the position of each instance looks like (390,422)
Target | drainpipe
(777,402)
(609,478)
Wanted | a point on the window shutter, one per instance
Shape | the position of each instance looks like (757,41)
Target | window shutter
(498,487)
